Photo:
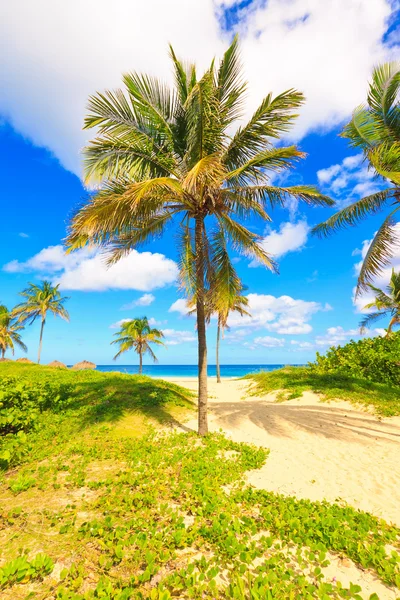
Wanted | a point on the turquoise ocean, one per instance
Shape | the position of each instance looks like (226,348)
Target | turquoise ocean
(188,370)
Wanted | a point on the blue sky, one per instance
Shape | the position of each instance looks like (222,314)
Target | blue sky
(306,308)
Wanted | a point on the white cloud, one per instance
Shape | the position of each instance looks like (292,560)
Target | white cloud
(23,235)
(269,342)
(85,270)
(119,323)
(284,315)
(144,300)
(75,48)
(338,335)
(349,180)
(174,337)
(181,307)
(302,345)
(291,237)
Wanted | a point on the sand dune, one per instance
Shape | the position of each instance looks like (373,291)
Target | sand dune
(319,450)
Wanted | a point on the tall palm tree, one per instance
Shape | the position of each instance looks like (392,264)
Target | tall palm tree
(375,129)
(385,303)
(164,156)
(39,300)
(9,332)
(137,335)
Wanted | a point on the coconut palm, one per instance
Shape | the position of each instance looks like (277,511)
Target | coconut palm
(38,301)
(387,304)
(165,157)
(9,332)
(375,129)
(137,335)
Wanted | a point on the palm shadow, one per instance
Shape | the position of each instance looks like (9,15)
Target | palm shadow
(281,420)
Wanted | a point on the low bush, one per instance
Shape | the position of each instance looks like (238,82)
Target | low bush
(375,359)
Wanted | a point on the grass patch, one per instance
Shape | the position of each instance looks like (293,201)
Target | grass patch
(291,382)
(95,512)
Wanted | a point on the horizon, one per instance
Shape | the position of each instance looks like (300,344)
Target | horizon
(310,306)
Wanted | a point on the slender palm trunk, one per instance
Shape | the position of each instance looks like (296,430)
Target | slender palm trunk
(217,350)
(140,363)
(41,339)
(201,328)
(3,353)
(389,330)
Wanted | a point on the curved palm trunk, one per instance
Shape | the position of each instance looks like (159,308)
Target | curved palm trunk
(201,329)
(140,363)
(41,339)
(217,351)
(393,321)
(3,352)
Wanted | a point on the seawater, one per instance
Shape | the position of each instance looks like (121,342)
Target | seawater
(189,370)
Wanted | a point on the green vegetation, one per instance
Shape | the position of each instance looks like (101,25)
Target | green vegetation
(291,382)
(93,511)
(38,301)
(9,332)
(386,304)
(374,359)
(168,157)
(137,335)
(375,130)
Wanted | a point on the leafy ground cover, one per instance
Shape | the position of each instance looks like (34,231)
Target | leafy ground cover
(291,382)
(96,510)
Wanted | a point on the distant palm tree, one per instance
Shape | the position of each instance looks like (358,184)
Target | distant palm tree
(9,332)
(167,156)
(39,300)
(137,335)
(386,304)
(375,129)
(236,303)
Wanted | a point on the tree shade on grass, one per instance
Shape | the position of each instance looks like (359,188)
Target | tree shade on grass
(137,335)
(375,130)
(38,301)
(167,156)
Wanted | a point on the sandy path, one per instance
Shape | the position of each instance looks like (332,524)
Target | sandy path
(318,450)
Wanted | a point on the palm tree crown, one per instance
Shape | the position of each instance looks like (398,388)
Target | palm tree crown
(375,129)
(9,332)
(38,301)
(386,304)
(167,157)
(137,335)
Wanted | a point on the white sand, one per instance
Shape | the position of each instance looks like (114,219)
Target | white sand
(319,450)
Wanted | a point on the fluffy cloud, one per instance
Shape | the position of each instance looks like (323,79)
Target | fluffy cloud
(291,237)
(338,335)
(144,300)
(383,279)
(85,270)
(284,315)
(269,342)
(349,180)
(173,337)
(180,306)
(74,48)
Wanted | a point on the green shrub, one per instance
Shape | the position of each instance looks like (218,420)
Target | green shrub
(21,404)
(376,359)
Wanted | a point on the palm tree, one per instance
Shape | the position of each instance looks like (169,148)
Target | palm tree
(386,304)
(237,303)
(164,156)
(375,129)
(9,332)
(39,300)
(137,335)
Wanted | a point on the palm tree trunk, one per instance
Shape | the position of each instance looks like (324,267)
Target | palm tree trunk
(217,349)
(3,352)
(41,339)
(140,363)
(201,328)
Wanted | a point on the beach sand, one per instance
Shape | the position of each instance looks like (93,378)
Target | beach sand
(319,450)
